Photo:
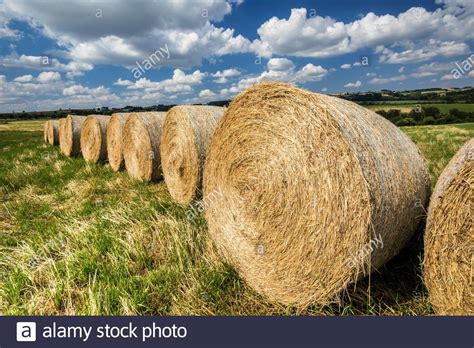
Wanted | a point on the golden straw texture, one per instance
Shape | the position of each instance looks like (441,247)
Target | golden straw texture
(449,237)
(141,145)
(305,193)
(45,131)
(187,132)
(93,138)
(53,132)
(61,122)
(70,135)
(114,140)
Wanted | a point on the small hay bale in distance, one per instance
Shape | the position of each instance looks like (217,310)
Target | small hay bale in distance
(141,145)
(70,135)
(53,132)
(93,138)
(45,131)
(187,132)
(61,123)
(306,193)
(449,237)
(114,140)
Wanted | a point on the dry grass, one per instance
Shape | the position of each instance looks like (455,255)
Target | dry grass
(23,126)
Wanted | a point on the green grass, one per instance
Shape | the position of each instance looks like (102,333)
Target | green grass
(439,143)
(80,239)
(406,106)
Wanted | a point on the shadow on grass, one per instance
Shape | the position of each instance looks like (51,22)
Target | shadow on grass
(395,288)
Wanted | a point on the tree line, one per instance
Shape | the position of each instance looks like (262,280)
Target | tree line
(426,116)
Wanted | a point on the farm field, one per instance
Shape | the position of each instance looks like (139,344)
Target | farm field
(81,239)
(408,106)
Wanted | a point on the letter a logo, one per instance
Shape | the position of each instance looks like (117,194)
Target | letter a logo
(26,332)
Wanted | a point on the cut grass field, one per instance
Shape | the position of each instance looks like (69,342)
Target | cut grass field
(407,107)
(80,239)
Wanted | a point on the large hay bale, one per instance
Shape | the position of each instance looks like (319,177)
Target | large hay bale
(53,132)
(70,135)
(114,140)
(449,237)
(93,138)
(306,193)
(187,132)
(45,131)
(141,145)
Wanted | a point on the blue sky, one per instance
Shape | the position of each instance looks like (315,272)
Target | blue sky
(61,54)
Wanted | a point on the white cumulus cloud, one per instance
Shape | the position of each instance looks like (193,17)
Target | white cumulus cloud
(224,75)
(316,36)
(279,69)
(94,32)
(81,90)
(24,78)
(353,84)
(206,94)
(384,80)
(180,82)
(432,49)
(48,76)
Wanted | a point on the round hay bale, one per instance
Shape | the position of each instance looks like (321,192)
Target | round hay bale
(70,136)
(61,122)
(141,145)
(45,131)
(53,132)
(187,132)
(114,140)
(93,138)
(449,237)
(306,193)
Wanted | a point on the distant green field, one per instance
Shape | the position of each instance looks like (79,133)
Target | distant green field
(406,107)
(439,143)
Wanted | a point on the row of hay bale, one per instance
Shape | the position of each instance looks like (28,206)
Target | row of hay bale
(51,132)
(303,193)
(134,141)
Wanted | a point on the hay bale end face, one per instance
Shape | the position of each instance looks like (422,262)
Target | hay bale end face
(306,193)
(114,140)
(187,132)
(141,145)
(61,123)
(93,138)
(53,132)
(70,135)
(449,237)
(45,131)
